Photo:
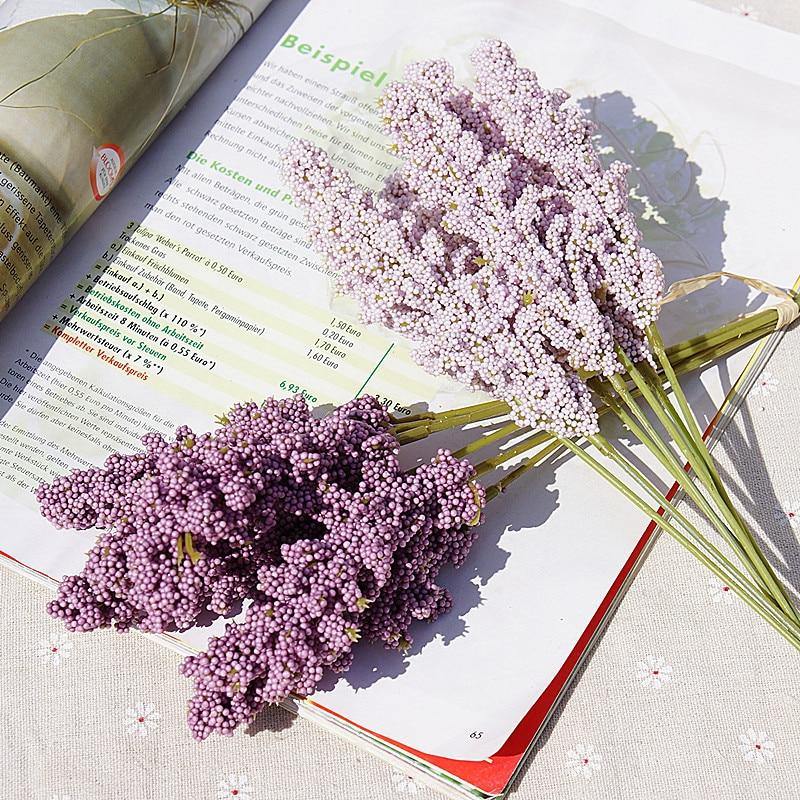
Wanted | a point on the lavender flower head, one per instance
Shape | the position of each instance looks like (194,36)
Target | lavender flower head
(157,510)
(187,523)
(312,520)
(500,246)
(371,573)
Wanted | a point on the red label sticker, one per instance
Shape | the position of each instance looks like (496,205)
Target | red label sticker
(107,163)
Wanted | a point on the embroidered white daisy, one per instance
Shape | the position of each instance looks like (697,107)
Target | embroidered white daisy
(745,10)
(402,783)
(766,385)
(653,672)
(789,512)
(235,787)
(584,761)
(756,746)
(54,649)
(141,719)
(720,592)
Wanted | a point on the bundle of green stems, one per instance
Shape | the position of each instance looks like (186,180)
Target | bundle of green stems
(677,445)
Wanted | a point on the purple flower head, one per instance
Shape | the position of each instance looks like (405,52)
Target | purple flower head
(369,573)
(188,523)
(313,520)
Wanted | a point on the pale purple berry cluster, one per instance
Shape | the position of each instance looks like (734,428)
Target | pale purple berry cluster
(311,520)
(500,246)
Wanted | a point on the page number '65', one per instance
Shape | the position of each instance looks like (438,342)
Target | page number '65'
(476,734)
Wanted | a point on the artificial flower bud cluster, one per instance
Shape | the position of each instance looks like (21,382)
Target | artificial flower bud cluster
(500,246)
(370,574)
(312,520)
(185,525)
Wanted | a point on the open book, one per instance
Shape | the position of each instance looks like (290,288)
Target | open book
(191,286)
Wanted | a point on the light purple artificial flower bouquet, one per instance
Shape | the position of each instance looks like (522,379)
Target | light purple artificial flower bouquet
(509,257)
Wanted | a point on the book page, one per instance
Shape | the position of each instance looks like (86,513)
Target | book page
(194,287)
(86,85)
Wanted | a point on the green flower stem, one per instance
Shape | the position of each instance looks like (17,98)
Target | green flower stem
(607,449)
(667,416)
(495,436)
(489,464)
(730,332)
(701,358)
(764,610)
(689,450)
(656,380)
(697,359)
(411,419)
(708,475)
(452,420)
(692,429)
(657,346)
(685,356)
(644,431)
(655,396)
(500,486)
(425,417)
